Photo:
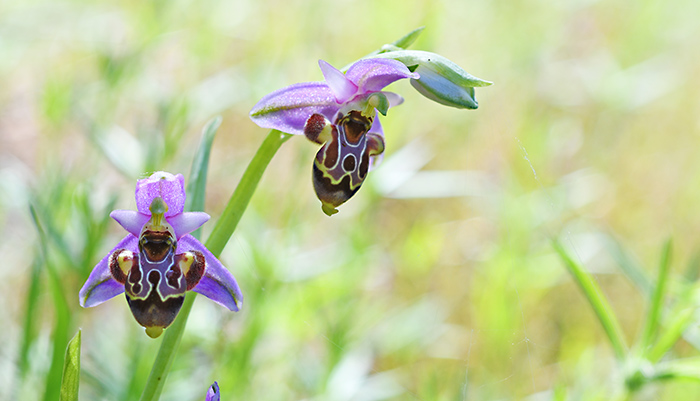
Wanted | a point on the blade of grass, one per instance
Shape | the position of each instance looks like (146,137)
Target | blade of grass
(651,324)
(30,319)
(60,333)
(71,370)
(693,269)
(598,302)
(197,184)
(678,324)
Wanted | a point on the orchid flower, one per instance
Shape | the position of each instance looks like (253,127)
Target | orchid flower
(341,115)
(213,393)
(158,260)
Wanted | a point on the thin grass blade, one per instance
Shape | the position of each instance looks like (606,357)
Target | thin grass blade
(678,323)
(651,324)
(30,318)
(598,302)
(60,333)
(197,184)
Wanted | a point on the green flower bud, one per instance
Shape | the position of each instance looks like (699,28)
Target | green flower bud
(440,80)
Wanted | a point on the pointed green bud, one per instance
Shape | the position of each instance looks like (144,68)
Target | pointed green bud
(440,80)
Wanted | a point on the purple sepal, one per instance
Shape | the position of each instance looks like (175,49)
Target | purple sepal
(288,109)
(218,283)
(100,286)
(131,220)
(213,393)
(373,74)
(187,222)
(171,188)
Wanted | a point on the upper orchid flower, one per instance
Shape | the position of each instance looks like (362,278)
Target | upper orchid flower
(340,114)
(158,260)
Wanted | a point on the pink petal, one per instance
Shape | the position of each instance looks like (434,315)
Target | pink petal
(343,89)
(373,74)
(185,223)
(131,220)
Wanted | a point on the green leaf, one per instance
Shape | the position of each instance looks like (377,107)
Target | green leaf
(598,302)
(197,184)
(71,370)
(651,323)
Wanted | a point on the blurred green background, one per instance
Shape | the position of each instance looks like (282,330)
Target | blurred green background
(438,280)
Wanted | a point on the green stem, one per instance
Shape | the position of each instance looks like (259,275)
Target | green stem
(216,242)
(244,191)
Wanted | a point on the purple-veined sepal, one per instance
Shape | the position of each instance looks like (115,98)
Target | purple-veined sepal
(217,284)
(100,286)
(288,109)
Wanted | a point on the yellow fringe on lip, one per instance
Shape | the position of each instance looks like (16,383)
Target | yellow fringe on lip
(154,332)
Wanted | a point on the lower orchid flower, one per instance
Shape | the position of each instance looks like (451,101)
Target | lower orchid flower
(341,115)
(158,261)
(213,393)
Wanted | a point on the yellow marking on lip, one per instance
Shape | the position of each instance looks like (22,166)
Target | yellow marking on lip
(125,260)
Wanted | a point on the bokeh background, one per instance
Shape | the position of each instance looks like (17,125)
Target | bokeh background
(438,281)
